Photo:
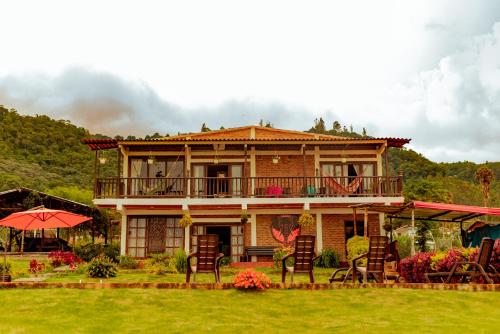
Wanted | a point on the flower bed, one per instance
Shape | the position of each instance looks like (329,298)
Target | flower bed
(414,268)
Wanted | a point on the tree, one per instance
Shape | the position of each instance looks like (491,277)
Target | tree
(364,134)
(205,128)
(351,128)
(485,176)
(336,126)
(319,125)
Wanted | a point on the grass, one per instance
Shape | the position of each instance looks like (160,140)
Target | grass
(225,311)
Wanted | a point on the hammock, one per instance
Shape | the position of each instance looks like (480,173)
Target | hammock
(340,189)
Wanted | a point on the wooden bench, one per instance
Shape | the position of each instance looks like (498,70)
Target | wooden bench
(259,250)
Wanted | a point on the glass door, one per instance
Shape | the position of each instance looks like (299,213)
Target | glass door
(198,181)
(236,181)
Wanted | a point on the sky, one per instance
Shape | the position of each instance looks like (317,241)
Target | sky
(428,70)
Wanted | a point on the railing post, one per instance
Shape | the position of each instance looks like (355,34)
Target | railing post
(188,184)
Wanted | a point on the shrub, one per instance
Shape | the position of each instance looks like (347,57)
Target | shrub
(404,246)
(36,267)
(127,262)
(58,258)
(251,280)
(329,258)
(90,251)
(413,268)
(279,254)
(181,260)
(101,266)
(161,263)
(5,269)
(225,261)
(356,246)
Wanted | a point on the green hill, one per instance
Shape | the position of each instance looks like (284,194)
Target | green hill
(46,154)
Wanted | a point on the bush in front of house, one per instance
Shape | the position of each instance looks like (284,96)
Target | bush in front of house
(329,258)
(251,280)
(127,262)
(279,254)
(161,264)
(90,251)
(101,267)
(180,259)
(356,246)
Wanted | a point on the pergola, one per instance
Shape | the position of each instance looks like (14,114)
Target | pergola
(429,211)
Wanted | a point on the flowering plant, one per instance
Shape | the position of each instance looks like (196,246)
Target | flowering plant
(57,258)
(36,267)
(413,268)
(186,220)
(305,219)
(251,280)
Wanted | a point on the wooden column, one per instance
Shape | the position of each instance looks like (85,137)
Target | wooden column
(244,173)
(354,218)
(366,223)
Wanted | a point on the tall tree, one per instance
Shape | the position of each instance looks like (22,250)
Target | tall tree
(336,126)
(485,176)
(205,128)
(364,134)
(319,125)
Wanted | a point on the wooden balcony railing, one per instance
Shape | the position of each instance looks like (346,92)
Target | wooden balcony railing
(215,187)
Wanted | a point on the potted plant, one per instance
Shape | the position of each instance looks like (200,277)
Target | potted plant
(305,219)
(5,271)
(244,217)
(186,220)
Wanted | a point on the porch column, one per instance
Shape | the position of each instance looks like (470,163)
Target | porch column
(123,235)
(413,232)
(381,221)
(187,169)
(366,223)
(319,232)
(253,233)
(253,170)
(187,236)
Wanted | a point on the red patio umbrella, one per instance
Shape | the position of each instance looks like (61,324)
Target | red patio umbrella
(40,218)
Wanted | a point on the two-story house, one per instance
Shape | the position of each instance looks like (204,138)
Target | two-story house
(272,175)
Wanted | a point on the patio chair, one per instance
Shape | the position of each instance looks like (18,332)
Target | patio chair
(304,257)
(207,257)
(374,265)
(392,261)
(472,270)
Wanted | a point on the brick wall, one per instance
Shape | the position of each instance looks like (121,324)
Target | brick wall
(289,165)
(334,233)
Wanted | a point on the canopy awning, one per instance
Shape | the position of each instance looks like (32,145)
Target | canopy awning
(441,212)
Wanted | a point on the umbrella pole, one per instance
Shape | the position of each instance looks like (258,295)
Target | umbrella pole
(4,271)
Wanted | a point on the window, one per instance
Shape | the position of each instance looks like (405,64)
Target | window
(154,234)
(236,243)
(136,241)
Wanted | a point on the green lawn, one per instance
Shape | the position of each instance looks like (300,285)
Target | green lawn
(232,311)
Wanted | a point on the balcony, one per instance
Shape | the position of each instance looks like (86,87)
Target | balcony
(245,187)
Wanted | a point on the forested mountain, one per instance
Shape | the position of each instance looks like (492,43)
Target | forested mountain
(48,155)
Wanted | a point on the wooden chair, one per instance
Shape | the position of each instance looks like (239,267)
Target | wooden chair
(374,265)
(207,257)
(392,257)
(304,257)
(472,269)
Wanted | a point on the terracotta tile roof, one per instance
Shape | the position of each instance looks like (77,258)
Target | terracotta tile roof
(250,133)
(253,132)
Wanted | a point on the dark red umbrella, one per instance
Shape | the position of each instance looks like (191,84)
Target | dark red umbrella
(39,218)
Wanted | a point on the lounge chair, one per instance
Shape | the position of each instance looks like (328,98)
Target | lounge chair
(472,270)
(207,257)
(304,257)
(374,265)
